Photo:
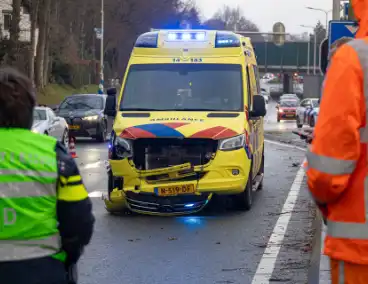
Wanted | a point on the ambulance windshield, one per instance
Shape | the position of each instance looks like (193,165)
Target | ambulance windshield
(183,87)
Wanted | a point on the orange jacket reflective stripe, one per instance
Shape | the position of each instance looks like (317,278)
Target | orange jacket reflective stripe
(338,160)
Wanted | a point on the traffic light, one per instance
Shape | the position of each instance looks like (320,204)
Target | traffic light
(279,39)
(323,56)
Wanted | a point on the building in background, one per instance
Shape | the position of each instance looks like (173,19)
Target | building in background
(6,18)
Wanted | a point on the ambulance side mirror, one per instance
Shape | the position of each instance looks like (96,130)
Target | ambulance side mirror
(259,106)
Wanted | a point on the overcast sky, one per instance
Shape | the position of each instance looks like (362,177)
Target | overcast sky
(264,13)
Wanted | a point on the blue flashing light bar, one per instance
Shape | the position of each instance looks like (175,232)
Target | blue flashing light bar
(225,39)
(186,36)
(147,40)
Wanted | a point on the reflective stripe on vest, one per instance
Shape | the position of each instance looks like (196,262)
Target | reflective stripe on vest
(336,229)
(28,176)
(20,250)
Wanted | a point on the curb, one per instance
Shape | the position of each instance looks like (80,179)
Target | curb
(315,262)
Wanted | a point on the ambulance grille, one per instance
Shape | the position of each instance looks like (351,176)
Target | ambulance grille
(166,152)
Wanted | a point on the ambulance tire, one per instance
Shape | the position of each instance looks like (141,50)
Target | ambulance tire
(244,200)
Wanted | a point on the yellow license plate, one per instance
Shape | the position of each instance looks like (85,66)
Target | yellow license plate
(74,127)
(175,190)
(290,115)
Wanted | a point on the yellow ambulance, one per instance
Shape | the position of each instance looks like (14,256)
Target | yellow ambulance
(189,124)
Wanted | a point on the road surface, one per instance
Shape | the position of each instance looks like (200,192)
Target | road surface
(271,123)
(270,243)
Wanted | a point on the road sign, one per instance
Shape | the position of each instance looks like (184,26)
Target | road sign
(339,29)
(346,9)
(98,33)
(279,39)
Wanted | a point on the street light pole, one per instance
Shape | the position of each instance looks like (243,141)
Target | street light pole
(324,11)
(315,54)
(101,85)
(315,48)
(336,9)
(309,47)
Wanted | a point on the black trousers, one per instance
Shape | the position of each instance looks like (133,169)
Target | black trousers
(35,271)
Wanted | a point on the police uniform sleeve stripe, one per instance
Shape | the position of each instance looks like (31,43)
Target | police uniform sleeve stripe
(70,186)
(330,165)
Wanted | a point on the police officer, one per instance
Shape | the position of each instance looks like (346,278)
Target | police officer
(45,213)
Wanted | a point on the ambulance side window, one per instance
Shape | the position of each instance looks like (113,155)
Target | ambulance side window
(256,74)
(249,90)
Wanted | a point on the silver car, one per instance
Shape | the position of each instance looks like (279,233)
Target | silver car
(46,122)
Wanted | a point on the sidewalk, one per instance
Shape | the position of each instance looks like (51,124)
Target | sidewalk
(324,267)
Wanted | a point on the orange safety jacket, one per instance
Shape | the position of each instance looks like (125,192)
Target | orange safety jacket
(338,157)
(338,160)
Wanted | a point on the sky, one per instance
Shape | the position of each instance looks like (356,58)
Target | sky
(264,13)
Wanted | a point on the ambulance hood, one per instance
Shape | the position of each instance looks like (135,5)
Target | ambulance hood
(360,8)
(212,125)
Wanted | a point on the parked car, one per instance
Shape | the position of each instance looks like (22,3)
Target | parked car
(286,109)
(46,122)
(86,115)
(307,113)
(265,94)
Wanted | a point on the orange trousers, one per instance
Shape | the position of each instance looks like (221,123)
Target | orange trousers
(348,273)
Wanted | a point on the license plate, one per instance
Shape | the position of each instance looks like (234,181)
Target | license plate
(74,127)
(175,190)
(290,115)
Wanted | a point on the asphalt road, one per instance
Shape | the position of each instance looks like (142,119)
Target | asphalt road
(271,120)
(269,243)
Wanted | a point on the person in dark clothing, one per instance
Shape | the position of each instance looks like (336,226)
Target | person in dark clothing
(47,215)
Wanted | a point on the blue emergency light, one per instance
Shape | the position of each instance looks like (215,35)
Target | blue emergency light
(223,39)
(186,36)
(226,39)
(147,40)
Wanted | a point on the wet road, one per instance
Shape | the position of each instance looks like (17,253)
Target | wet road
(269,243)
(271,120)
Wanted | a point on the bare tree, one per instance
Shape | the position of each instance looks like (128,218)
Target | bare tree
(33,17)
(41,45)
(14,32)
(234,20)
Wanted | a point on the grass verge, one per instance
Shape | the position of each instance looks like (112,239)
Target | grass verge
(53,94)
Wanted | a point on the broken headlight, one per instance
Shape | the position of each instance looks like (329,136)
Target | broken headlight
(232,143)
(123,148)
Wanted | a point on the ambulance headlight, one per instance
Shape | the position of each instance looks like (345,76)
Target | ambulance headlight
(233,143)
(122,148)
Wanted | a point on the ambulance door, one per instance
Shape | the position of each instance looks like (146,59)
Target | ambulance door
(255,123)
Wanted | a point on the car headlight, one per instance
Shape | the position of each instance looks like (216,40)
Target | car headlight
(232,143)
(123,148)
(93,117)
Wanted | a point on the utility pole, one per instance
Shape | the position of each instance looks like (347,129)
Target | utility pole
(101,85)
(336,9)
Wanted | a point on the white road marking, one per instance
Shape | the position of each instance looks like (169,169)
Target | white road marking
(96,194)
(285,145)
(269,257)
(92,165)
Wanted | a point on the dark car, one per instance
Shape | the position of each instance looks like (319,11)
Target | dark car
(86,115)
